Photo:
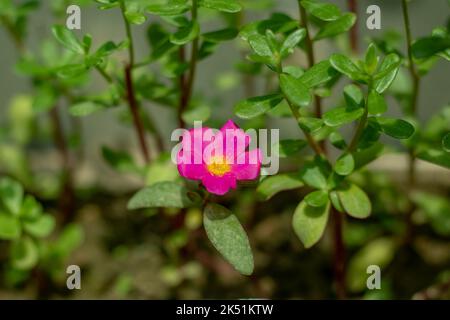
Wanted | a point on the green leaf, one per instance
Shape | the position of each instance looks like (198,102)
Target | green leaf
(221,35)
(256,106)
(172,8)
(319,74)
(294,90)
(31,209)
(337,140)
(376,103)
(41,227)
(436,209)
(315,173)
(9,227)
(260,45)
(346,66)
(341,115)
(292,41)
(309,223)
(367,155)
(322,11)
(67,39)
(353,97)
(390,63)
(439,157)
(288,147)
(429,46)
(317,198)
(85,108)
(24,254)
(228,237)
(163,194)
(371,59)
(446,142)
(11,195)
(230,6)
(396,128)
(334,197)
(310,124)
(355,201)
(345,164)
(135,17)
(281,182)
(333,28)
(185,34)
(379,252)
(120,161)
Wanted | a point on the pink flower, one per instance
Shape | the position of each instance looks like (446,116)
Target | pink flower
(218,159)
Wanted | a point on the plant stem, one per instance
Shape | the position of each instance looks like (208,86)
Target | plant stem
(310,54)
(354,39)
(339,254)
(361,126)
(186,94)
(412,112)
(67,198)
(181,85)
(135,114)
(131,97)
(314,145)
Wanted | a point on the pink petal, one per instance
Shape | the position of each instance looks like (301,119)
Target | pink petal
(234,139)
(190,170)
(248,165)
(195,141)
(219,185)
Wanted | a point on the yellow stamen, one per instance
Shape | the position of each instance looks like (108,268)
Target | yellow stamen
(218,166)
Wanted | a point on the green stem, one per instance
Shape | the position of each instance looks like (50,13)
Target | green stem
(129,33)
(129,85)
(310,54)
(412,112)
(361,126)
(189,86)
(354,41)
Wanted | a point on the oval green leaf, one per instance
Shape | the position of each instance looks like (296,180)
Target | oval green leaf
(309,223)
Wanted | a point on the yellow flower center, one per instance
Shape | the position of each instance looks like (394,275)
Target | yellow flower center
(218,166)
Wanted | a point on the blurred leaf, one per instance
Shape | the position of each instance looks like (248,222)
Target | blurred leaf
(345,164)
(346,66)
(120,161)
(376,103)
(371,59)
(333,28)
(69,239)
(228,237)
(379,252)
(292,41)
(446,142)
(339,116)
(439,157)
(67,39)
(230,6)
(365,156)
(437,210)
(256,106)
(428,46)
(260,45)
(355,201)
(396,128)
(41,227)
(317,198)
(281,182)
(11,195)
(295,91)
(390,63)
(322,11)
(185,34)
(310,124)
(221,35)
(24,254)
(9,226)
(162,194)
(171,8)
(309,223)
(200,112)
(315,173)
(44,99)
(85,108)
(319,74)
(289,147)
